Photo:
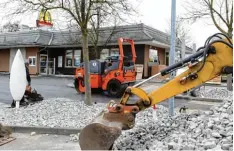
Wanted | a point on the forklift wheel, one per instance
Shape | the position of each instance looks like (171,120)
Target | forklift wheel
(76,85)
(114,88)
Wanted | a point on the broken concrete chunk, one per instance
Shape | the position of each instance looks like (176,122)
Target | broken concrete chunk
(226,146)
(230,133)
(210,125)
(224,116)
(209,145)
(229,129)
(33,133)
(171,145)
(188,147)
(217,148)
(216,135)
(223,133)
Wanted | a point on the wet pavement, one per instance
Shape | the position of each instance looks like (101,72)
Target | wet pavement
(53,87)
(25,141)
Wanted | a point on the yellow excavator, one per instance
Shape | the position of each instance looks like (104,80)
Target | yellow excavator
(211,60)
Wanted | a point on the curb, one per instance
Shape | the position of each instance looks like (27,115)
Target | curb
(198,99)
(43,130)
(206,84)
(39,76)
(57,76)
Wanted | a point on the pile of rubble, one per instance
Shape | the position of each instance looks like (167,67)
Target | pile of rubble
(201,130)
(57,112)
(214,92)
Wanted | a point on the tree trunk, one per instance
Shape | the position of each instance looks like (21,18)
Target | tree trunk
(230,30)
(88,99)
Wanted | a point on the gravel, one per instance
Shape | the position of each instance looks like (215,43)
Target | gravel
(214,92)
(57,112)
(199,130)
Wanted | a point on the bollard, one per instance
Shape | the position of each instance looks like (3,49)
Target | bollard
(154,113)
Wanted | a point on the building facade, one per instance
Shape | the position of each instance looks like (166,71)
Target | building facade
(60,52)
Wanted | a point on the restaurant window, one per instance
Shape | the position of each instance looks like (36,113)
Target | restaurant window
(77,55)
(72,58)
(69,54)
(153,55)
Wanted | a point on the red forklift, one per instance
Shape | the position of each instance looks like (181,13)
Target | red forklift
(112,75)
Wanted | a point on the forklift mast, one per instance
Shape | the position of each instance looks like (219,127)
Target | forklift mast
(121,57)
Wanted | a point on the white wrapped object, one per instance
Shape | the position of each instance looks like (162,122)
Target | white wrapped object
(18,77)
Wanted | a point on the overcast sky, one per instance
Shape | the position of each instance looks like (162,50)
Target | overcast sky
(155,13)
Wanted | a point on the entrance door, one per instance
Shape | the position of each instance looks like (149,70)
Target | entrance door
(43,63)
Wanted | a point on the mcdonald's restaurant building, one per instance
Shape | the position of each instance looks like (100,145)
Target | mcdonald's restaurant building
(60,52)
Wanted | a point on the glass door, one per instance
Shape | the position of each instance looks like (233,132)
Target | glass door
(43,63)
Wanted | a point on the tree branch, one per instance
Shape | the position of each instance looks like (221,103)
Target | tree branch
(220,16)
(77,11)
(213,19)
(227,12)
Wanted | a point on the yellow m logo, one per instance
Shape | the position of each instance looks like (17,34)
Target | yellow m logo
(45,16)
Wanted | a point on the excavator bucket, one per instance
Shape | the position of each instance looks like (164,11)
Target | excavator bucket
(97,136)
(102,132)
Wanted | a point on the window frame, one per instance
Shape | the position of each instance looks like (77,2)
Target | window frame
(73,58)
(66,58)
(151,55)
(79,50)
(32,57)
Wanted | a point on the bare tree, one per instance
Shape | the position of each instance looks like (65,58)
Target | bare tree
(181,31)
(82,12)
(11,26)
(97,34)
(219,11)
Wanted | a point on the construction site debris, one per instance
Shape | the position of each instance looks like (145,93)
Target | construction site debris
(199,130)
(56,112)
(214,92)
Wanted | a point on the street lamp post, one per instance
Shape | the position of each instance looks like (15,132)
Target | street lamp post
(172,50)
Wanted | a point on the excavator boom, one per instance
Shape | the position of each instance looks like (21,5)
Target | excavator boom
(210,61)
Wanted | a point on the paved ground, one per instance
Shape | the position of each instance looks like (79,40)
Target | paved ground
(51,87)
(48,88)
(57,87)
(40,142)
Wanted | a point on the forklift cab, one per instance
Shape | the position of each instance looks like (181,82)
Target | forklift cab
(112,63)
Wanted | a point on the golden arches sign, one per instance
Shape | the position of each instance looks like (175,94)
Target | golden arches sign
(45,17)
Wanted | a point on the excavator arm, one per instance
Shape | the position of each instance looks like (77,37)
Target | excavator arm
(210,61)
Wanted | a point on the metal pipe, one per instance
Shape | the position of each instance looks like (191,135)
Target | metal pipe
(142,82)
